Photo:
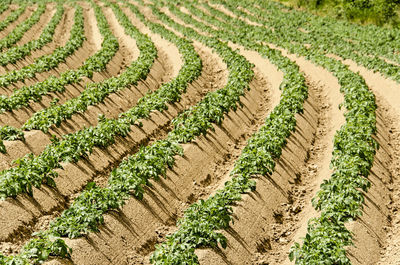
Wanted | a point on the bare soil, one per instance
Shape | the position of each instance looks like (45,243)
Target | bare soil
(267,221)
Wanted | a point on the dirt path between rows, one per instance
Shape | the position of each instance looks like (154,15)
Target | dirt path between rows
(8,11)
(387,224)
(316,169)
(72,62)
(139,225)
(369,229)
(273,249)
(161,44)
(25,15)
(36,140)
(99,164)
(34,32)
(61,36)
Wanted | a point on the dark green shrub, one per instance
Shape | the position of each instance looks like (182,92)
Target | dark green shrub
(365,11)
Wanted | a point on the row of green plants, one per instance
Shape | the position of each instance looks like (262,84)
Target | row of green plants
(50,61)
(97,92)
(203,221)
(18,52)
(31,171)
(75,146)
(18,32)
(380,41)
(289,23)
(4,7)
(95,63)
(341,197)
(87,210)
(10,133)
(14,15)
(151,162)
(164,150)
(380,12)
(322,38)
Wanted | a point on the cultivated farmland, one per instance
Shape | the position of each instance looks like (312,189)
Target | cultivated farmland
(196,132)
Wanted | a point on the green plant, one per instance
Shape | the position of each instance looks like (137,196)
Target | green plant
(17,33)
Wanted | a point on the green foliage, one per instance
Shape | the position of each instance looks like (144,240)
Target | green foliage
(45,62)
(18,32)
(202,220)
(4,7)
(18,52)
(376,11)
(86,213)
(97,92)
(340,198)
(95,63)
(14,15)
(10,134)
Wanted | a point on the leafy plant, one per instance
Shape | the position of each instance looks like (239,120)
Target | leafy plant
(17,33)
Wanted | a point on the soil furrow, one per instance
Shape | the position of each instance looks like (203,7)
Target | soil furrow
(72,62)
(25,15)
(292,221)
(161,72)
(99,164)
(166,46)
(130,234)
(36,140)
(124,99)
(35,31)
(61,36)
(8,11)
(266,218)
(369,229)
(377,232)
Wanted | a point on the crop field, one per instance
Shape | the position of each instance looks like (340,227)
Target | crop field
(196,132)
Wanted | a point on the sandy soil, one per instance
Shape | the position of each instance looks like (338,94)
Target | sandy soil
(28,11)
(267,221)
(35,31)
(75,176)
(61,36)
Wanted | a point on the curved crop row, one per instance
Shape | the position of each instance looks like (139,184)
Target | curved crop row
(202,220)
(16,53)
(23,27)
(97,92)
(340,199)
(77,37)
(14,15)
(152,161)
(48,242)
(50,61)
(4,7)
(95,63)
(32,171)
(287,24)
(378,40)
